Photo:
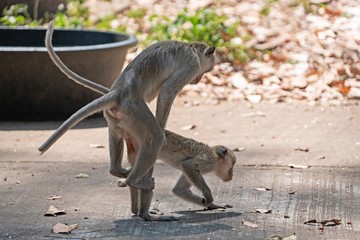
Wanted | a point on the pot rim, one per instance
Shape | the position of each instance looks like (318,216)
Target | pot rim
(131,41)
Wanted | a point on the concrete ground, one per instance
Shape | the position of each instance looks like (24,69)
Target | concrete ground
(269,137)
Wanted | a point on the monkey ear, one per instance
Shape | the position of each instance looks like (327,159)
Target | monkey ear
(222,152)
(209,51)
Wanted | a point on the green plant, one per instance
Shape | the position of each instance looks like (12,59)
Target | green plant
(75,15)
(265,11)
(17,15)
(204,26)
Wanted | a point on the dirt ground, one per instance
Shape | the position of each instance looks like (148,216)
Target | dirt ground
(269,137)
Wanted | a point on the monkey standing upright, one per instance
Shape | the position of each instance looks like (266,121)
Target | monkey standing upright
(161,71)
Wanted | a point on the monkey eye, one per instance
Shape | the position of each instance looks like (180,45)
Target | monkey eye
(223,151)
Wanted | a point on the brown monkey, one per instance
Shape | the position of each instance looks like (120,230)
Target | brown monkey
(161,70)
(193,159)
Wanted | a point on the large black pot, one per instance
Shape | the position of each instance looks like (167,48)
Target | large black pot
(33,88)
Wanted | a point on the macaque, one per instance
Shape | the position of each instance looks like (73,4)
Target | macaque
(193,159)
(161,71)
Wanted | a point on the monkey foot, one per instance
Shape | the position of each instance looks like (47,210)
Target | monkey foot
(121,173)
(145,183)
(213,206)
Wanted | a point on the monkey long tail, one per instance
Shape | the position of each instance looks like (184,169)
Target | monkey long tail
(104,102)
(70,74)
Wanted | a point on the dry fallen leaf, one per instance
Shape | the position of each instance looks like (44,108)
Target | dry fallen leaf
(291,191)
(302,149)
(63,228)
(94,145)
(329,222)
(154,210)
(238,81)
(54,197)
(254,114)
(256,98)
(188,127)
(277,237)
(298,166)
(249,224)
(263,210)
(82,175)
(342,88)
(53,212)
(261,189)
(121,183)
(238,149)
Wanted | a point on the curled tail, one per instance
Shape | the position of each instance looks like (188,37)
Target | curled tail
(70,74)
(105,102)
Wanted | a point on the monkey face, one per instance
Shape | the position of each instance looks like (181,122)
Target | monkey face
(225,163)
(206,56)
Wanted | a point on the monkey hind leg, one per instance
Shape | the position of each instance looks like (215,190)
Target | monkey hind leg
(149,138)
(144,212)
(134,196)
(146,157)
(116,150)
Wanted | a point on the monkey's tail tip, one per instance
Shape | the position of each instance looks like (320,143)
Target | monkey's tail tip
(42,150)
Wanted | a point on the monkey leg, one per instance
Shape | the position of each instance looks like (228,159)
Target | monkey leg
(141,199)
(134,196)
(182,190)
(145,202)
(116,150)
(116,146)
(192,173)
(134,193)
(149,138)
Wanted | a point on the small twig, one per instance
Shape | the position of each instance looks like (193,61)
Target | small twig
(333,222)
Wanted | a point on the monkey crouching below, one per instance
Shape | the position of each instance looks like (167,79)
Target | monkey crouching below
(193,159)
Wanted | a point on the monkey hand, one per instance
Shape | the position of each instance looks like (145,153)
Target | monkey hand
(213,206)
(207,199)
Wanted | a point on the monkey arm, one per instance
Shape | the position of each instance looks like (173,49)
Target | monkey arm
(193,175)
(182,190)
(163,105)
(170,88)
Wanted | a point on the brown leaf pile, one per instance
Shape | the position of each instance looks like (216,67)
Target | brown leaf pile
(306,50)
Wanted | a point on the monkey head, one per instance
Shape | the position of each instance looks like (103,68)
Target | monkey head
(206,56)
(226,160)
